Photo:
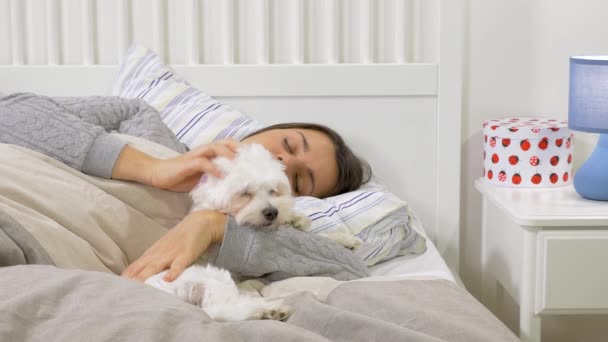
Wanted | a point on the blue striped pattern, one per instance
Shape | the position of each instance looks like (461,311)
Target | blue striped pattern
(372,213)
(195,117)
(376,216)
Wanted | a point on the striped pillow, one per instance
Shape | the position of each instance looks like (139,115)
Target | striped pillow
(375,215)
(195,117)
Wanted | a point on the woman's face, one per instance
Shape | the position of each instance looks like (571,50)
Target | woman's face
(309,158)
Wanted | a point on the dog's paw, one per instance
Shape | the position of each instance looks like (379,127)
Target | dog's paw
(347,240)
(299,221)
(351,242)
(279,313)
(191,292)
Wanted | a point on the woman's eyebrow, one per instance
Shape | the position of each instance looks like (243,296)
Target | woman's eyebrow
(304,141)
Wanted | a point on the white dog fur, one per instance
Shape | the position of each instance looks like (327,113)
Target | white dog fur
(256,191)
(254,182)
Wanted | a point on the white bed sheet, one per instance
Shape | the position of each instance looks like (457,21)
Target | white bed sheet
(429,264)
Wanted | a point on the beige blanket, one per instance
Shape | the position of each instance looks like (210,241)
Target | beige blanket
(114,223)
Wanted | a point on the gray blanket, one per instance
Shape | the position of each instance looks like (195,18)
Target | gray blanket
(44,303)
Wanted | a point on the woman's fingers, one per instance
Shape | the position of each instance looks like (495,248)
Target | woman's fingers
(231,144)
(224,148)
(142,270)
(149,271)
(219,150)
(202,159)
(201,165)
(146,266)
(133,269)
(177,267)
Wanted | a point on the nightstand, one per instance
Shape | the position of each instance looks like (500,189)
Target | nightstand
(544,249)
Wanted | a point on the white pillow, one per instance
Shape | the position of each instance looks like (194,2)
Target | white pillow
(372,213)
(376,216)
(195,117)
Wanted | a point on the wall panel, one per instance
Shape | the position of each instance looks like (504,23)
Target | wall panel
(190,32)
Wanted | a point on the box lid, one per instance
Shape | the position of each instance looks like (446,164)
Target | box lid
(519,128)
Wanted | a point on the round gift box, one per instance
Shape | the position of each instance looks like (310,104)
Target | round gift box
(527,152)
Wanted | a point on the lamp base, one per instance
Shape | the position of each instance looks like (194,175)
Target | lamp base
(591,180)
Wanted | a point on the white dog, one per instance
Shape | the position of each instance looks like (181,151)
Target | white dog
(256,191)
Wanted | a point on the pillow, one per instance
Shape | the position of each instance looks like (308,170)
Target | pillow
(195,117)
(376,216)
(372,213)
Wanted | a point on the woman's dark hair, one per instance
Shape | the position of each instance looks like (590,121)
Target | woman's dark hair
(352,170)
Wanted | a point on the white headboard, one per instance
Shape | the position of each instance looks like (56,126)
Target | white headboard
(384,73)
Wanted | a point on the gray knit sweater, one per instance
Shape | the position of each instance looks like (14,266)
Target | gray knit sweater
(75,131)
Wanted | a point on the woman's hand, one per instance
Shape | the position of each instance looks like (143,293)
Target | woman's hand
(180,247)
(180,173)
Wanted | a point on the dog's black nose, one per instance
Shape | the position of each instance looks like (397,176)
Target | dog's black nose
(270,213)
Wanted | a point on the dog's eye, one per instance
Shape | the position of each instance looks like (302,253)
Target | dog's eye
(273,192)
(246,194)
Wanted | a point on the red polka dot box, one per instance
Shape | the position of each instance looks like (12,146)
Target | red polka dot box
(527,152)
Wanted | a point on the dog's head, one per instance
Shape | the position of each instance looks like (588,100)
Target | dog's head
(254,189)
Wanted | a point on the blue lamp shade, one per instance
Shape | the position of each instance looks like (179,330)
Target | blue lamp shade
(588,105)
(588,112)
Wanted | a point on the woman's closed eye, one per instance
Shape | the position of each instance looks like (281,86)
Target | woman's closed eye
(287,146)
(303,178)
(296,188)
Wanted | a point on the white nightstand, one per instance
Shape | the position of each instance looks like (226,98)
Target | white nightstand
(547,249)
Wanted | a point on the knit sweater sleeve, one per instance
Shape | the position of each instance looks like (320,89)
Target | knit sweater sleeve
(128,116)
(75,130)
(285,252)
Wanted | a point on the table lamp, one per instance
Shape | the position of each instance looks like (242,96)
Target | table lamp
(588,112)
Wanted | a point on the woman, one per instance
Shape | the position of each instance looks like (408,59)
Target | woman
(74,130)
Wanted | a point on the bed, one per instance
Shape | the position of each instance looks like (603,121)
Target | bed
(386,74)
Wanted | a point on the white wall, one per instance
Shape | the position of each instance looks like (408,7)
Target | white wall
(516,63)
